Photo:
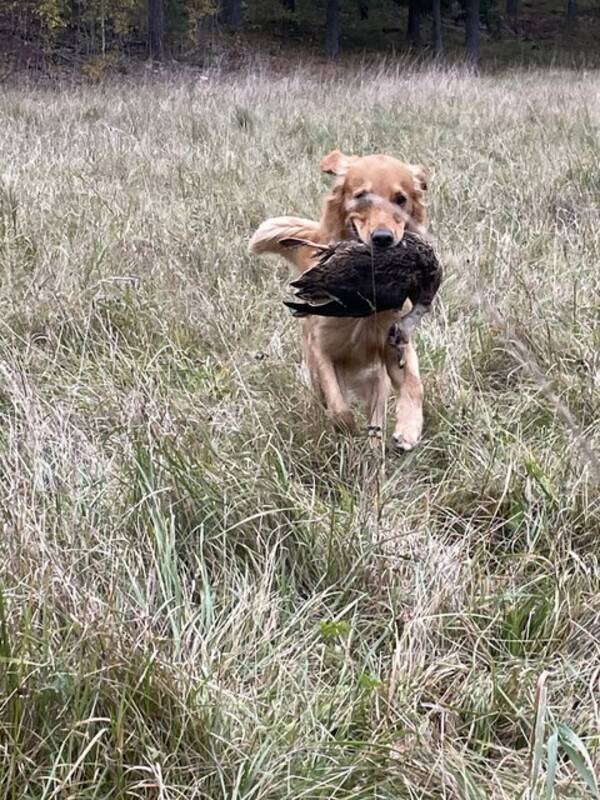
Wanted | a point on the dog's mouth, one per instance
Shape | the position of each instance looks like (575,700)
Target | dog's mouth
(354,234)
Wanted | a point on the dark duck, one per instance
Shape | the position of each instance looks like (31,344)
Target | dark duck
(350,279)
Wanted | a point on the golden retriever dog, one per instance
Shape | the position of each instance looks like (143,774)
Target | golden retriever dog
(374,198)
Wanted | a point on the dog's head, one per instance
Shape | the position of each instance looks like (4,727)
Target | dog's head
(375,198)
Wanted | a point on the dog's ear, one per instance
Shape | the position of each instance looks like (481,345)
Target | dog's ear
(421,175)
(336,163)
(419,214)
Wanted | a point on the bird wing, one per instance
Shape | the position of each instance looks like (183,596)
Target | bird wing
(332,309)
(316,296)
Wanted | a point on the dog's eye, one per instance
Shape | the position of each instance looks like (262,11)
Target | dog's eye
(400,199)
(360,195)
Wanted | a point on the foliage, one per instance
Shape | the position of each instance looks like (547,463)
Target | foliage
(92,27)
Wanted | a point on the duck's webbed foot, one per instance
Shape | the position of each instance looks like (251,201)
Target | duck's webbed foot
(375,437)
(401,331)
(398,341)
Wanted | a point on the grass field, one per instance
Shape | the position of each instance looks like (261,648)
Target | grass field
(205,591)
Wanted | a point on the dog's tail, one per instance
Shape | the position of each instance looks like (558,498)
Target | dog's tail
(270,237)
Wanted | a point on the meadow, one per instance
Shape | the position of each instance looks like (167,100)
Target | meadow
(206,592)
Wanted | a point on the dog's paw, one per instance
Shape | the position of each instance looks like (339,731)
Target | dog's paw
(344,421)
(403,441)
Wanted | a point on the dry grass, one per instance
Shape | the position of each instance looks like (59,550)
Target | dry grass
(206,593)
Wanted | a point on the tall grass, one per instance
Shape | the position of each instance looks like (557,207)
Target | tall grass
(205,591)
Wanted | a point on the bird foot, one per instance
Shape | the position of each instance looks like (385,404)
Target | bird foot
(375,437)
(398,339)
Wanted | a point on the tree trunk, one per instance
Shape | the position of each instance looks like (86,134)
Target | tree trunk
(571,10)
(231,14)
(512,8)
(332,29)
(205,27)
(413,27)
(363,9)
(472,32)
(436,28)
(290,5)
(156,29)
(102,30)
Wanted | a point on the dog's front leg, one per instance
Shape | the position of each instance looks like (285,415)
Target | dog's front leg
(324,377)
(407,384)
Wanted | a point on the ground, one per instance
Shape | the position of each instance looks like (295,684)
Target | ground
(208,593)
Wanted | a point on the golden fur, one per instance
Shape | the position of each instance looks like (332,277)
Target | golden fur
(351,359)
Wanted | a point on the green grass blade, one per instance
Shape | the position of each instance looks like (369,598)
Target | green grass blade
(552,757)
(579,757)
(537,741)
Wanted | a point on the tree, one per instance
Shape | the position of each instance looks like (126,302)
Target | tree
(571,10)
(156,29)
(413,26)
(472,31)
(363,9)
(231,14)
(332,29)
(436,27)
(512,8)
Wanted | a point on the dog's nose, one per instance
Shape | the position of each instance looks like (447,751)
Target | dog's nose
(382,237)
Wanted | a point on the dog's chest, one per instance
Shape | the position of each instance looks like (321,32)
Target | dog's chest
(355,342)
